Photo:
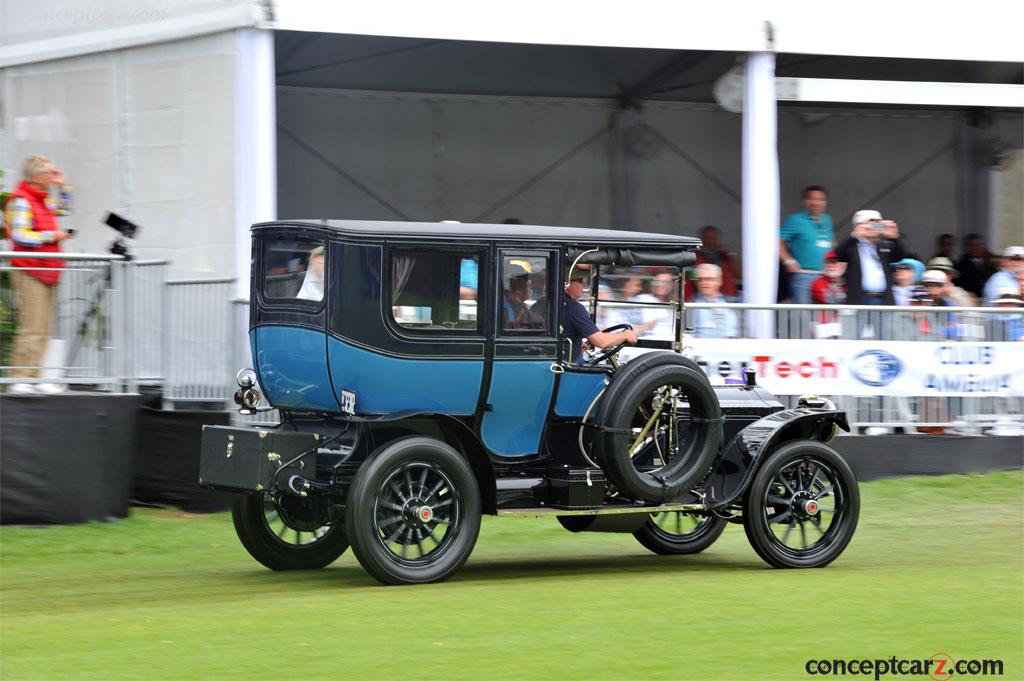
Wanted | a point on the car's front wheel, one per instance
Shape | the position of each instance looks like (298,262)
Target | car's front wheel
(413,512)
(802,507)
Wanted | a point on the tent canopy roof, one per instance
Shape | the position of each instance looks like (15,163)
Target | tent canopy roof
(985,31)
(360,62)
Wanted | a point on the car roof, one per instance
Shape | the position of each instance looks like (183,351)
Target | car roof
(502,232)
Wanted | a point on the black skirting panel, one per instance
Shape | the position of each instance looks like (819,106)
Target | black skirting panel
(78,457)
(66,458)
(167,465)
(887,456)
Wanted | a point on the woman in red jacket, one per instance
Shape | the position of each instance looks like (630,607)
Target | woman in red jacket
(31,216)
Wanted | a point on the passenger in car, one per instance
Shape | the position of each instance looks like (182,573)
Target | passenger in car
(313,283)
(516,313)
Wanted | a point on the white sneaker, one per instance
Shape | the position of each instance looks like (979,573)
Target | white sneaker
(22,389)
(49,388)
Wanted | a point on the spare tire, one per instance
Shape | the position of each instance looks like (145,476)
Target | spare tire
(636,366)
(639,413)
(625,374)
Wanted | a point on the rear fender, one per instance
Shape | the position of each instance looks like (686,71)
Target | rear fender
(378,431)
(738,461)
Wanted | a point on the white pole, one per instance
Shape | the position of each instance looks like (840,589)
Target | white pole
(760,192)
(992,235)
(255,143)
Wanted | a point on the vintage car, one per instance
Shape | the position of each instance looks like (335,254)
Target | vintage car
(422,380)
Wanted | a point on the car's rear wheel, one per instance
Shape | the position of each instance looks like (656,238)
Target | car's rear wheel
(802,506)
(679,532)
(413,512)
(288,534)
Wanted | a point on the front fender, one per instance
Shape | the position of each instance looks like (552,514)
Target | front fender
(736,463)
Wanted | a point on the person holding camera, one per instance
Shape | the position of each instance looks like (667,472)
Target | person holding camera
(31,215)
(869,252)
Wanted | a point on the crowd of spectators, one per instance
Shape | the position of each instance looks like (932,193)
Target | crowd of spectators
(872,265)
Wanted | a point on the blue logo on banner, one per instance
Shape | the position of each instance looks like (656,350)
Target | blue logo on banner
(876,367)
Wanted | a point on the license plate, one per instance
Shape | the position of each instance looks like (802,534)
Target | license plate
(348,402)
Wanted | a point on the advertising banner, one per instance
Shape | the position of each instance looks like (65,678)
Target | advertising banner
(867,368)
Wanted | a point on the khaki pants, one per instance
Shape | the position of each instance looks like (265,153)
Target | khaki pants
(35,322)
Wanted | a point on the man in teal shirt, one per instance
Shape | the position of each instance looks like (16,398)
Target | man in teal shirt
(806,236)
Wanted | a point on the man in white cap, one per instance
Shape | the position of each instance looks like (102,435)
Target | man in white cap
(936,283)
(516,313)
(956,296)
(870,250)
(1010,268)
(961,325)
(1008,326)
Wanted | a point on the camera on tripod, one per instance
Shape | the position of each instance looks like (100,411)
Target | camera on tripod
(126,229)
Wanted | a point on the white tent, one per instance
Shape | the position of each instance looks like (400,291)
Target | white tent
(197,119)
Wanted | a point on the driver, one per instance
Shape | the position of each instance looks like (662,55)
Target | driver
(577,324)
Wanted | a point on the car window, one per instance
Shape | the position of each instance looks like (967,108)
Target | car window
(293,269)
(435,291)
(524,297)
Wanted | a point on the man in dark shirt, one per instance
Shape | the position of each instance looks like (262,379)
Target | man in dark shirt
(976,265)
(577,325)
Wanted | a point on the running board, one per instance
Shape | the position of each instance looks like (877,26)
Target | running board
(604,510)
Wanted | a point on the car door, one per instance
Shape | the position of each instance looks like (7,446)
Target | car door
(524,348)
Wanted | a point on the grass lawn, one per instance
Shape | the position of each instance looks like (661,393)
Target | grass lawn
(936,566)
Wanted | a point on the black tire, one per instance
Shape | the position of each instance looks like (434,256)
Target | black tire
(636,366)
(794,476)
(679,532)
(626,406)
(293,534)
(416,495)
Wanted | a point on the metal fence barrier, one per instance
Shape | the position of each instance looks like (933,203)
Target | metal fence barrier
(199,335)
(107,330)
(838,322)
(972,415)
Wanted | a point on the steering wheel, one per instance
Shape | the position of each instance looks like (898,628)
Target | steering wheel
(613,350)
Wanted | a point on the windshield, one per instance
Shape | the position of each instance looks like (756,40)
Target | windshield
(643,297)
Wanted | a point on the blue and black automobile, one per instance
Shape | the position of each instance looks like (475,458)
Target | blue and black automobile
(422,380)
